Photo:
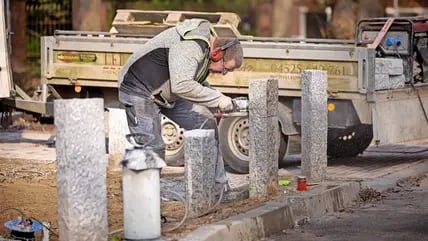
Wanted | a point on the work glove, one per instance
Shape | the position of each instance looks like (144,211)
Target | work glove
(225,104)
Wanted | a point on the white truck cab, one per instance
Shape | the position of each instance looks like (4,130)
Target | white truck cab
(5,70)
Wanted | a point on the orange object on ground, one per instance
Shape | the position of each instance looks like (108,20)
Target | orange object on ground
(301,183)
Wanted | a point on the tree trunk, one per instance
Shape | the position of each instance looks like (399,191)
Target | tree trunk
(344,17)
(346,14)
(371,9)
(89,15)
(18,38)
(264,19)
(282,12)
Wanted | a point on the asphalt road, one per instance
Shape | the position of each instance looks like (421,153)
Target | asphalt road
(402,214)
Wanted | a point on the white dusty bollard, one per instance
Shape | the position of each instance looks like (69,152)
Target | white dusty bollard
(141,193)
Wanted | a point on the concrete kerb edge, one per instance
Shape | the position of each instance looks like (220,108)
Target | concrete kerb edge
(330,198)
(289,211)
(274,216)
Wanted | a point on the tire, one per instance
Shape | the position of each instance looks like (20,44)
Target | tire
(175,158)
(234,144)
(283,142)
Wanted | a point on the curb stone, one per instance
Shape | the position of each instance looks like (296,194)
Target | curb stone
(282,213)
(289,211)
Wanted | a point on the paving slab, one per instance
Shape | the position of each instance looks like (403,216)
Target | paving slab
(27,151)
(375,162)
(27,145)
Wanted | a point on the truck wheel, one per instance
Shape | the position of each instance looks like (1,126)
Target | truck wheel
(234,143)
(173,138)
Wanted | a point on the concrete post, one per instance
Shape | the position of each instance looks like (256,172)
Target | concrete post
(314,124)
(200,158)
(117,130)
(81,169)
(141,192)
(264,137)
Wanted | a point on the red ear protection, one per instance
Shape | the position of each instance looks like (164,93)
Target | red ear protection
(218,53)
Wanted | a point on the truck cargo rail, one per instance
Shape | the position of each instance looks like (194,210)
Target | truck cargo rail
(242,37)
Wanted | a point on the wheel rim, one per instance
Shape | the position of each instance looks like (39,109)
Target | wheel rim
(172,135)
(238,136)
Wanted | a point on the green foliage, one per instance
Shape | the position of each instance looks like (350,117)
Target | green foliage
(114,238)
(43,18)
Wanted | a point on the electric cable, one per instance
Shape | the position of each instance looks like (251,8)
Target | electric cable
(215,205)
(203,123)
(186,213)
(181,199)
(420,100)
(221,191)
(48,228)
(114,232)
(15,209)
(186,210)
(398,52)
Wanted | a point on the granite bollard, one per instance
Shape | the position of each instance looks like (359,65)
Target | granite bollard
(200,158)
(81,169)
(264,137)
(314,124)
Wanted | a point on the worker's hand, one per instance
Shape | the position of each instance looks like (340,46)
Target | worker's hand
(225,104)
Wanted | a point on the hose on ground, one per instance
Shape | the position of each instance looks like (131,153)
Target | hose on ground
(220,198)
(31,218)
(186,210)
(15,209)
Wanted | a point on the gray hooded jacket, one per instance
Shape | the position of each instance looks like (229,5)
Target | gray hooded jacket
(172,65)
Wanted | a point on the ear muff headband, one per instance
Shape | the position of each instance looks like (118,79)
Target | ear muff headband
(218,53)
(230,44)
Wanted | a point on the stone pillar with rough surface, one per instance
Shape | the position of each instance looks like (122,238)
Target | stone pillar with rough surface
(117,131)
(200,157)
(314,124)
(81,169)
(264,137)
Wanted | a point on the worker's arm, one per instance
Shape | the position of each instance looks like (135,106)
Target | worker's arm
(183,63)
(205,83)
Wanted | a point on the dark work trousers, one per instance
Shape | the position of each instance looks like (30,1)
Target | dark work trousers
(144,117)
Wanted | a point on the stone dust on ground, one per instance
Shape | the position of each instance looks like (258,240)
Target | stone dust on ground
(30,186)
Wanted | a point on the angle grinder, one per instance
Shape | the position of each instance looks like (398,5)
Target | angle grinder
(240,108)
